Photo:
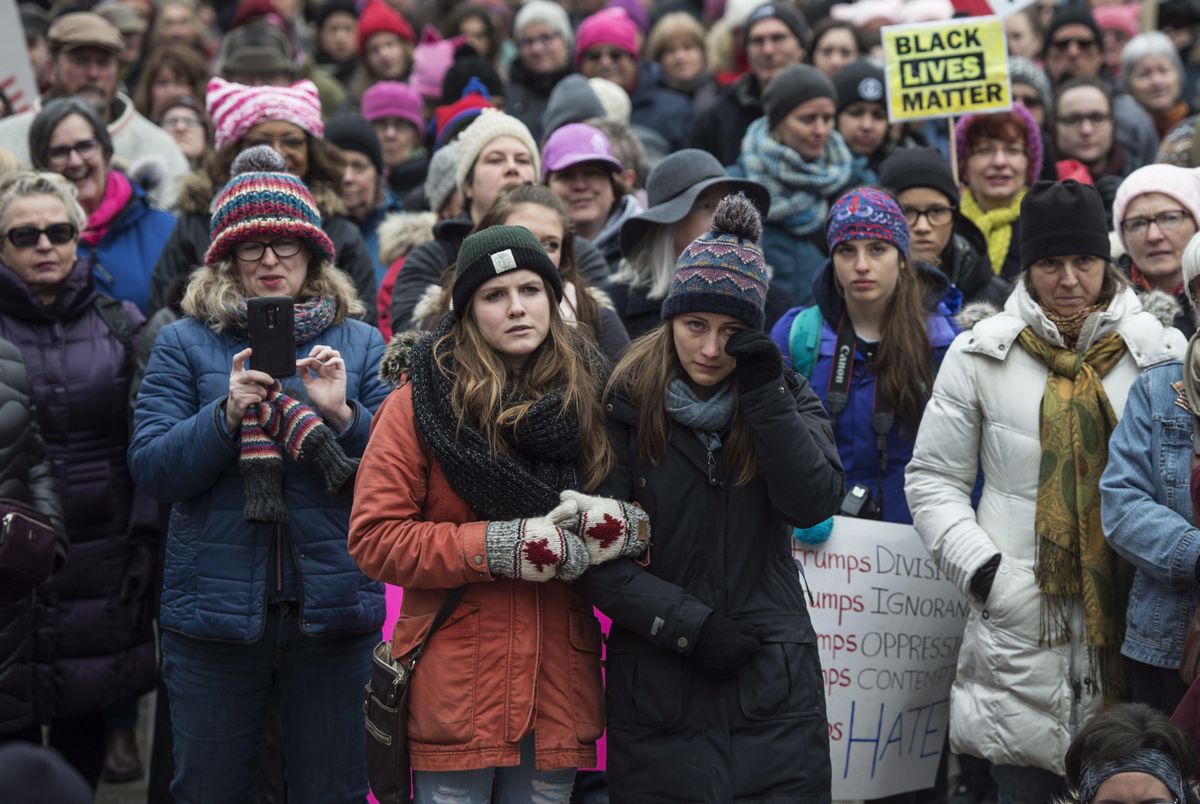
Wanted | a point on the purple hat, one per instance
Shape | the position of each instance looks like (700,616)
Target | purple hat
(867,213)
(575,144)
(392,99)
(1033,141)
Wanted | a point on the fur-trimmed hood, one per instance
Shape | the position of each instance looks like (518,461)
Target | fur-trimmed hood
(1162,306)
(401,232)
(198,193)
(397,358)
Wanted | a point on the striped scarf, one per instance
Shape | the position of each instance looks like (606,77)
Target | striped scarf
(801,191)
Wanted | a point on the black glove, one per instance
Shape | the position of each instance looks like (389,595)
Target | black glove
(758,358)
(723,646)
(984,577)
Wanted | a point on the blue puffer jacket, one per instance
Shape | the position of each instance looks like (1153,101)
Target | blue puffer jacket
(370,231)
(853,431)
(124,259)
(221,570)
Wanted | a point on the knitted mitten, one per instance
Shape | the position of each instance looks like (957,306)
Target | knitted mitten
(300,430)
(610,528)
(537,549)
(261,463)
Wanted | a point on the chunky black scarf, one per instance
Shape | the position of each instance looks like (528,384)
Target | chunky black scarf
(543,448)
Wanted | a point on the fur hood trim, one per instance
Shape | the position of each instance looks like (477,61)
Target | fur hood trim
(397,358)
(401,232)
(197,194)
(972,314)
(1162,306)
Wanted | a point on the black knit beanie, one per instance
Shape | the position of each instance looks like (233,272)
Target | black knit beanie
(469,64)
(351,132)
(495,250)
(331,7)
(906,168)
(861,80)
(784,13)
(793,86)
(1060,218)
(1071,15)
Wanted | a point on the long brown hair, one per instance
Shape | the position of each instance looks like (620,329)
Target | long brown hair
(184,61)
(904,365)
(642,376)
(564,360)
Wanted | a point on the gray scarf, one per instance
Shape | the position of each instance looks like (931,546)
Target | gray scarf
(704,417)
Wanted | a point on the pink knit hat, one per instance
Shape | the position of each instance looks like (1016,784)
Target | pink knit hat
(432,58)
(393,99)
(1033,142)
(236,108)
(610,26)
(1182,184)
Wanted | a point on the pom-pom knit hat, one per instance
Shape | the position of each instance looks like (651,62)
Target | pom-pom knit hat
(496,250)
(236,108)
(1033,141)
(867,213)
(262,201)
(723,270)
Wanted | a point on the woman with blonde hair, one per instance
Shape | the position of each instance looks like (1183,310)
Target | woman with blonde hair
(469,498)
(261,601)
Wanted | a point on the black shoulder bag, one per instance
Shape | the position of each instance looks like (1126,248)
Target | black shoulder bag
(385,705)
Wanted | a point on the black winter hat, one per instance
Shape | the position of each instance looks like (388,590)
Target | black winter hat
(493,251)
(1060,218)
(793,86)
(331,7)
(351,132)
(469,64)
(1071,15)
(861,80)
(906,168)
(783,12)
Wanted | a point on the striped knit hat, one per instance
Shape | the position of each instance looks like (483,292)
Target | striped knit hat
(867,213)
(236,108)
(723,270)
(262,201)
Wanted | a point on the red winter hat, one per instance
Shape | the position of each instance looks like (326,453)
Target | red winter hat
(468,106)
(377,17)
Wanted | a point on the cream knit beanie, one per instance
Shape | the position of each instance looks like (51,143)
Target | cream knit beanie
(489,125)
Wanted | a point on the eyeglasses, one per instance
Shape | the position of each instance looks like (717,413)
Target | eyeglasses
(59,154)
(253,251)
(937,216)
(541,40)
(1064,44)
(1168,221)
(59,234)
(177,120)
(597,54)
(989,152)
(1096,119)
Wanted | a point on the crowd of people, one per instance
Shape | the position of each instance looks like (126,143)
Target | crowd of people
(596,306)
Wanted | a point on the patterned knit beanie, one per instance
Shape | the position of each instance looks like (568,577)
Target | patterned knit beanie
(491,124)
(723,270)
(867,213)
(262,201)
(236,108)
(493,251)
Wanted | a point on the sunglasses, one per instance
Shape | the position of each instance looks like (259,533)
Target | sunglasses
(1064,44)
(59,234)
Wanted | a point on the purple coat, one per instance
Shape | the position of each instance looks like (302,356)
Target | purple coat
(96,633)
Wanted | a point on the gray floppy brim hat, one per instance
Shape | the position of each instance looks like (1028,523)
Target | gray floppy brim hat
(675,184)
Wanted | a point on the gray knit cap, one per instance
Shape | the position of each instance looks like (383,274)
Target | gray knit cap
(439,180)
(793,86)
(1024,71)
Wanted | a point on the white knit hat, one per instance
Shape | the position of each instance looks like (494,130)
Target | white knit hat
(614,99)
(489,125)
(547,13)
(1181,184)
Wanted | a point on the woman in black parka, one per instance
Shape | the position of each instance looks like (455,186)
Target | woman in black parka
(714,682)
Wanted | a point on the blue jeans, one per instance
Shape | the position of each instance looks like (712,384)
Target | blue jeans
(219,693)
(522,784)
(1020,785)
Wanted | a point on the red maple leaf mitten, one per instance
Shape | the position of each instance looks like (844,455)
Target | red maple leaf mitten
(539,548)
(610,528)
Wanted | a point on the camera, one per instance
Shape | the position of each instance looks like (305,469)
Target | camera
(859,503)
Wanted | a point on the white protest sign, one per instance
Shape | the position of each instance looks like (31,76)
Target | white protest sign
(16,74)
(889,626)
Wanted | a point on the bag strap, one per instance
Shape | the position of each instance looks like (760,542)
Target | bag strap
(117,320)
(803,338)
(449,604)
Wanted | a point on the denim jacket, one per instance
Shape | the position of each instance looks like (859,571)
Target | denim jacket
(1146,507)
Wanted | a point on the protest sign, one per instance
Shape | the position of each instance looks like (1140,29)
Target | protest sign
(939,69)
(16,74)
(889,626)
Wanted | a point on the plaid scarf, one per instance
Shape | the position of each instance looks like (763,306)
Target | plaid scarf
(1073,559)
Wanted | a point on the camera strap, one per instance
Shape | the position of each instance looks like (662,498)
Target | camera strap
(841,375)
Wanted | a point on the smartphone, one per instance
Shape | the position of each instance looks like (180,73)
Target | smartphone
(271,335)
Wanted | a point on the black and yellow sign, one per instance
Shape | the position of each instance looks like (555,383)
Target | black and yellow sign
(938,69)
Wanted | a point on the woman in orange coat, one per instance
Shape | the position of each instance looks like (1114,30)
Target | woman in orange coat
(470,479)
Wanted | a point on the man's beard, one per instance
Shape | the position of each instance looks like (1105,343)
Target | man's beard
(91,94)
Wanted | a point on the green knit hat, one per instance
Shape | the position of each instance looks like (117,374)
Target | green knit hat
(495,250)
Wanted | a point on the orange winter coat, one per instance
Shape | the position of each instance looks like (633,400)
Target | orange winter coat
(514,657)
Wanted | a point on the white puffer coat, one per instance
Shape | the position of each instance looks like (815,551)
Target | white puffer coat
(1013,702)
